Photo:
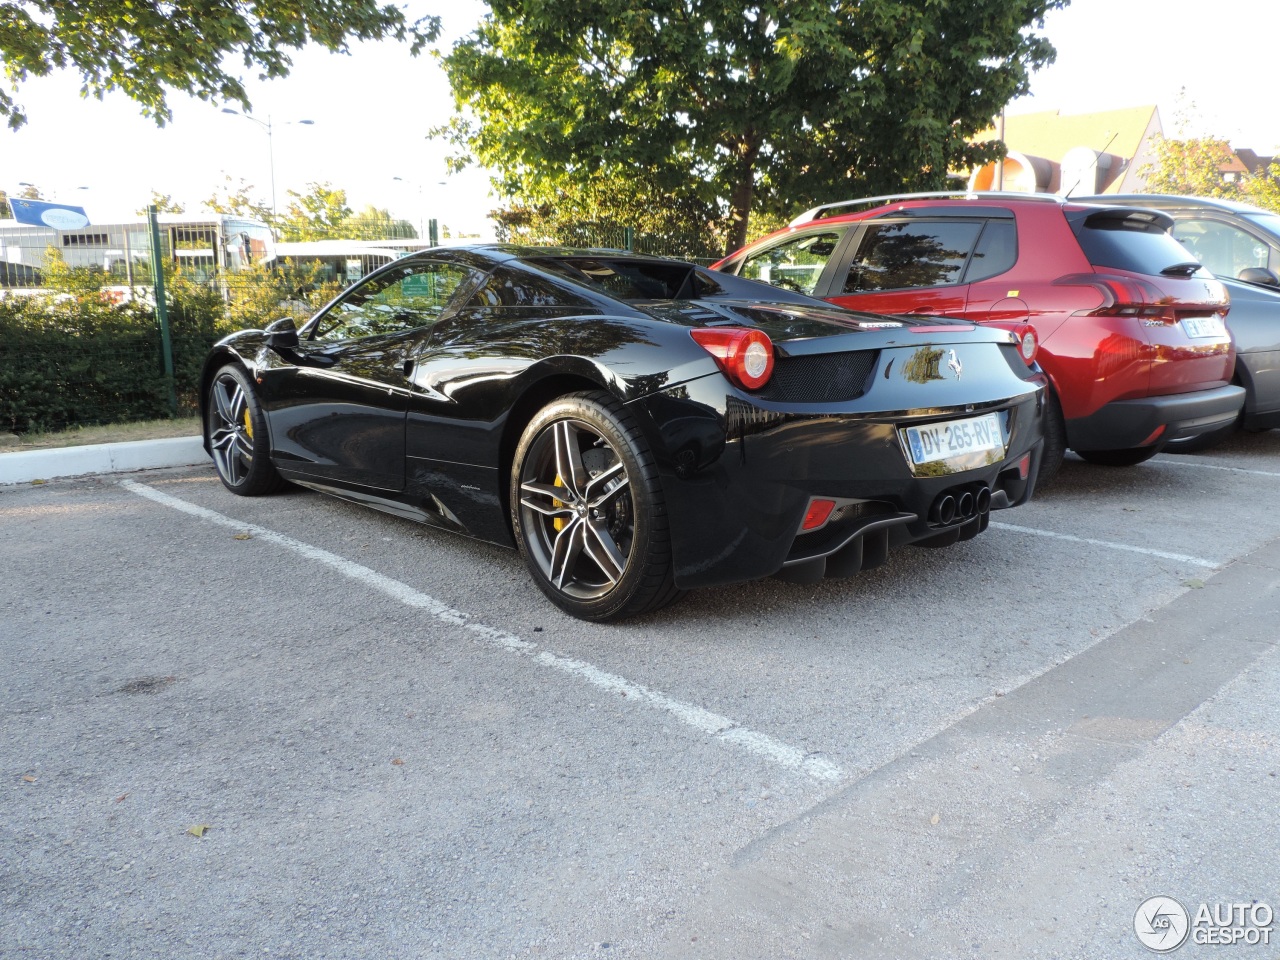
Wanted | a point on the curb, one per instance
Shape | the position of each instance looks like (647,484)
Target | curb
(28,465)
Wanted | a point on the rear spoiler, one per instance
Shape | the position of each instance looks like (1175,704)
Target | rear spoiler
(1121,218)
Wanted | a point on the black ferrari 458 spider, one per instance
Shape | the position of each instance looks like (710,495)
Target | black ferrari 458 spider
(635,426)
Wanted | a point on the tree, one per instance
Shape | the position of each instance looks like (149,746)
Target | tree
(29,191)
(318,214)
(768,107)
(1192,166)
(1262,189)
(234,200)
(374,223)
(164,203)
(148,48)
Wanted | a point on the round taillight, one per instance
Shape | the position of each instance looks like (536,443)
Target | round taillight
(757,362)
(743,353)
(1029,346)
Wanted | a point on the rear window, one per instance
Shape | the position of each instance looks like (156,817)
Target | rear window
(633,279)
(1128,244)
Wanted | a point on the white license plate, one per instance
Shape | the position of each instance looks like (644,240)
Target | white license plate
(954,438)
(1198,328)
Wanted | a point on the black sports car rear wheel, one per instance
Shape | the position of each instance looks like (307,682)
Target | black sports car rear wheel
(236,430)
(1055,439)
(588,512)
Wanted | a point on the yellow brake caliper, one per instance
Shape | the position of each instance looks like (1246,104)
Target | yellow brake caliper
(248,424)
(558,522)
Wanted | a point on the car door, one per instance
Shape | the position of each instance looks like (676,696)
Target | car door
(1224,248)
(804,262)
(339,414)
(908,265)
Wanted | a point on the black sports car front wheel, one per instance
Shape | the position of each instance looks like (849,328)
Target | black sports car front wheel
(236,432)
(588,512)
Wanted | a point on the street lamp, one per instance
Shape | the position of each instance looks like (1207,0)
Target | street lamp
(271,154)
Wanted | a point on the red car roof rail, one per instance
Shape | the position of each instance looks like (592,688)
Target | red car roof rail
(817,213)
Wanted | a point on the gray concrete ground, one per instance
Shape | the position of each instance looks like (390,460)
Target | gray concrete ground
(401,750)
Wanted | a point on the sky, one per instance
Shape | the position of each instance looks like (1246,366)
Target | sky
(371,112)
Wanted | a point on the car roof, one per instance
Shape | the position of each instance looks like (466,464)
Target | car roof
(934,198)
(1172,200)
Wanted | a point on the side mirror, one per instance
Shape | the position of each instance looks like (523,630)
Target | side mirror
(1260,275)
(282,335)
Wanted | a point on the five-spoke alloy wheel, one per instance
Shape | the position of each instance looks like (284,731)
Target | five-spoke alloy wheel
(236,431)
(588,511)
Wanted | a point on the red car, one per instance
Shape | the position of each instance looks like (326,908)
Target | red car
(1129,327)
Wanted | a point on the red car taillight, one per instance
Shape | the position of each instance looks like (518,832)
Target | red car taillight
(744,354)
(1124,296)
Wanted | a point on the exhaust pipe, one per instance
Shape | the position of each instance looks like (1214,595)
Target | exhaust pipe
(983,501)
(944,509)
(964,505)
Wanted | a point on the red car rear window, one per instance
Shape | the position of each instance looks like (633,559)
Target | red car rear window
(1125,243)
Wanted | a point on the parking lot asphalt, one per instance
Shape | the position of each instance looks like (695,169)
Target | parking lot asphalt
(400,749)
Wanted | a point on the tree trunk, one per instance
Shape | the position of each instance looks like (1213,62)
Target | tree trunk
(743,193)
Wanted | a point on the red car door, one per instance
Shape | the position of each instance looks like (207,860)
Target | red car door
(909,265)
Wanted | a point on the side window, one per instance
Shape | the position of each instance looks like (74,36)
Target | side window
(795,264)
(404,298)
(1225,250)
(996,252)
(511,288)
(911,254)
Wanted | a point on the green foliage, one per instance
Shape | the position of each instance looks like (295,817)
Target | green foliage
(164,203)
(147,48)
(5,212)
(1263,188)
(1193,167)
(580,226)
(719,111)
(1190,167)
(320,213)
(76,355)
(374,223)
(83,354)
(234,200)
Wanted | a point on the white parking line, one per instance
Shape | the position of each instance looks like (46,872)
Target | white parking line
(1162,554)
(1214,466)
(721,728)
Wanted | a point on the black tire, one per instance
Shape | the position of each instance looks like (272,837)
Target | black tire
(1202,441)
(1118,458)
(603,552)
(236,430)
(1055,438)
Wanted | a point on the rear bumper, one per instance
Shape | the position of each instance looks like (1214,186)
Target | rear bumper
(1126,424)
(738,478)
